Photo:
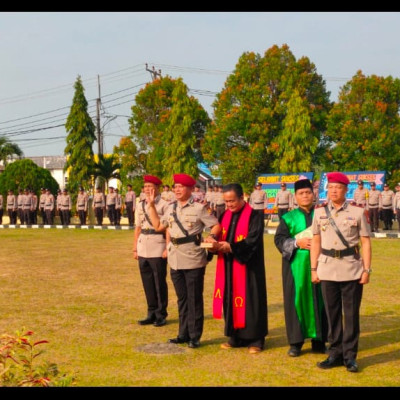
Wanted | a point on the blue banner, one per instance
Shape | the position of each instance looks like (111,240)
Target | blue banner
(366,176)
(271,184)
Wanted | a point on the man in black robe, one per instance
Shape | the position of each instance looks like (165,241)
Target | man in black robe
(240,286)
(305,315)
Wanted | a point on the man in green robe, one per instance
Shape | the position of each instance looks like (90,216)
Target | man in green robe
(303,305)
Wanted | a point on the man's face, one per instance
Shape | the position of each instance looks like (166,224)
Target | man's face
(283,187)
(182,193)
(147,186)
(304,197)
(337,192)
(232,201)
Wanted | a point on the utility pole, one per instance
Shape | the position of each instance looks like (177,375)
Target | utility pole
(153,72)
(99,133)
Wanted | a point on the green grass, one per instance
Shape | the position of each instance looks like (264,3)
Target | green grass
(81,290)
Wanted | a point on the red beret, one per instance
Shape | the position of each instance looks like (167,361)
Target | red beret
(152,179)
(337,177)
(185,180)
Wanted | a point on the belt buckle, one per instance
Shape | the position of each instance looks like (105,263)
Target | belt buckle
(174,242)
(337,254)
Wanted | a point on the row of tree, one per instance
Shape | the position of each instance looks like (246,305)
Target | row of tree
(273,115)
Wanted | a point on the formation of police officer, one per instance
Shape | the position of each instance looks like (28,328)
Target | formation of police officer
(283,200)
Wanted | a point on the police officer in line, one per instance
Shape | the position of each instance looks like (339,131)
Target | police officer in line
(12,207)
(27,205)
(360,195)
(149,248)
(1,209)
(42,202)
(374,204)
(259,199)
(49,207)
(185,221)
(130,204)
(342,268)
(82,202)
(20,209)
(99,205)
(111,200)
(218,202)
(283,200)
(397,204)
(387,207)
(58,206)
(65,207)
(34,206)
(118,207)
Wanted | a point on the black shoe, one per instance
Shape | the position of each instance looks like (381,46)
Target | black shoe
(178,340)
(351,366)
(318,347)
(194,344)
(330,362)
(147,321)
(294,351)
(160,322)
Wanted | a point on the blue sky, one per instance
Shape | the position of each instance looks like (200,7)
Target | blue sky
(42,54)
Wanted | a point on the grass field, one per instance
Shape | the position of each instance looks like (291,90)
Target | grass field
(81,290)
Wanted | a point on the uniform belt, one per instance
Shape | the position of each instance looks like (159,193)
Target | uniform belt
(340,253)
(97,202)
(151,232)
(375,204)
(261,202)
(219,205)
(283,204)
(186,239)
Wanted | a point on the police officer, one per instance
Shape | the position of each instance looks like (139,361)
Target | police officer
(82,202)
(218,202)
(42,201)
(34,207)
(118,207)
(374,204)
(27,205)
(360,195)
(149,248)
(12,207)
(1,209)
(65,207)
(336,262)
(58,205)
(397,204)
(99,205)
(130,204)
(20,209)
(259,199)
(49,207)
(283,200)
(186,220)
(111,200)
(387,207)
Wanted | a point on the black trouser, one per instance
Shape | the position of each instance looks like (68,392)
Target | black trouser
(111,213)
(129,212)
(43,215)
(61,217)
(20,213)
(49,217)
(189,286)
(12,214)
(153,272)
(282,211)
(27,217)
(343,330)
(1,216)
(117,216)
(34,217)
(387,216)
(373,214)
(82,217)
(398,217)
(219,210)
(98,212)
(66,217)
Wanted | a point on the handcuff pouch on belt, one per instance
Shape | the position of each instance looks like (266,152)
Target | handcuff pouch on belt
(340,253)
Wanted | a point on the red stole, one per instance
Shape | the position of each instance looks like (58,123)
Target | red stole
(238,271)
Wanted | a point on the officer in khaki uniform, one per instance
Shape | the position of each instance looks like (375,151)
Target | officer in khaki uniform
(258,199)
(397,204)
(149,248)
(374,204)
(99,205)
(42,200)
(82,202)
(49,207)
(65,207)
(336,262)
(387,207)
(218,202)
(283,200)
(1,209)
(360,195)
(12,207)
(185,221)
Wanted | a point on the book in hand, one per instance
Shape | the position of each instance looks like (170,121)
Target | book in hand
(307,233)
(206,245)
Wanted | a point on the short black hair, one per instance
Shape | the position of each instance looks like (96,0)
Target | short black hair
(234,187)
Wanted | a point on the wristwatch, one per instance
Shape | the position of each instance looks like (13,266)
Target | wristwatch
(367,271)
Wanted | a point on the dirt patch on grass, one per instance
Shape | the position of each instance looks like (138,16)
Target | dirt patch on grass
(161,348)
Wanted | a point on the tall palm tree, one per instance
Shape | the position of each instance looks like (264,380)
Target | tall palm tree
(105,169)
(8,150)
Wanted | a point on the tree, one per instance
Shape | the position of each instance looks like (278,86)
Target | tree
(295,145)
(250,111)
(106,168)
(8,150)
(22,174)
(363,127)
(80,139)
(154,117)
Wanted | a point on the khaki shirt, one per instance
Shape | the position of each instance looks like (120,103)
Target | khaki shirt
(352,222)
(374,199)
(82,202)
(42,200)
(65,202)
(12,202)
(130,197)
(99,200)
(27,202)
(387,199)
(152,245)
(20,200)
(397,200)
(111,199)
(1,201)
(284,199)
(49,202)
(194,217)
(361,196)
(218,199)
(258,199)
